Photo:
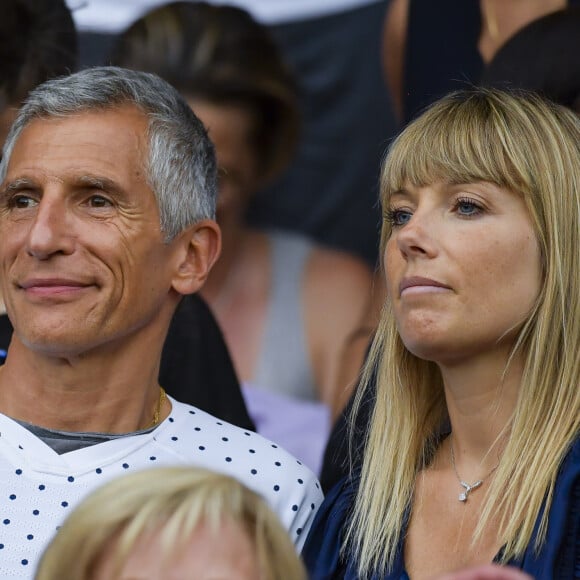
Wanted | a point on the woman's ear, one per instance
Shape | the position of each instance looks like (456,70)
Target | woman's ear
(198,248)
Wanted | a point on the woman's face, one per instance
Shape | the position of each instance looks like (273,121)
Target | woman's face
(462,268)
(229,128)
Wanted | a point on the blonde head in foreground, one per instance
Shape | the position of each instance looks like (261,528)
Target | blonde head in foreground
(155,523)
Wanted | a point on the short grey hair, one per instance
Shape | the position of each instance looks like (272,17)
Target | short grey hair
(181,168)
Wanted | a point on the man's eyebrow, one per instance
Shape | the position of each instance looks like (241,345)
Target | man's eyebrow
(98,182)
(18,184)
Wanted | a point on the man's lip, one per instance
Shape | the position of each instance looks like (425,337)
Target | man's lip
(33,283)
(416,281)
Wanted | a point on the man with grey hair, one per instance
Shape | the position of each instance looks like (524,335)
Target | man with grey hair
(106,221)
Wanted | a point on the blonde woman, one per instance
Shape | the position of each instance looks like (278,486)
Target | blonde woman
(177,522)
(472,454)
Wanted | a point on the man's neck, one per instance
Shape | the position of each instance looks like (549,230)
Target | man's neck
(106,392)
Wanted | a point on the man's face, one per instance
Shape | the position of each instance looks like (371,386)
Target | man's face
(82,258)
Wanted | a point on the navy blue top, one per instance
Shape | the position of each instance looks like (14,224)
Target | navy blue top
(558,558)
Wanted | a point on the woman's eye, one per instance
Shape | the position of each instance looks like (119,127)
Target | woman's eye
(468,207)
(398,217)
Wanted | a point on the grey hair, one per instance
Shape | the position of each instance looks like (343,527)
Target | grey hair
(181,169)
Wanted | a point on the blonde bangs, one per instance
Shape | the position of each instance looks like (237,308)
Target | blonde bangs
(455,142)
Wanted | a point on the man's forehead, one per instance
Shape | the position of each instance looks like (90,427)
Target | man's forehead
(114,136)
(102,148)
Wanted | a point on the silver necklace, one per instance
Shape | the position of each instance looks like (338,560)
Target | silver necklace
(467,488)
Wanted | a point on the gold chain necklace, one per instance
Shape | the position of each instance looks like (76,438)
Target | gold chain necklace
(157,413)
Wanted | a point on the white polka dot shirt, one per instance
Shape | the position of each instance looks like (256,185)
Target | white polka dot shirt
(39,487)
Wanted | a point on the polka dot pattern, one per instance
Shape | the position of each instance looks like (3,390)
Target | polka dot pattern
(40,488)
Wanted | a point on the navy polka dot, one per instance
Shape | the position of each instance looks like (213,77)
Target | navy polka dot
(25,562)
(298,531)
(270,466)
(299,462)
(20,447)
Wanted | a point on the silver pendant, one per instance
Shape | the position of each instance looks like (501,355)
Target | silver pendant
(468,489)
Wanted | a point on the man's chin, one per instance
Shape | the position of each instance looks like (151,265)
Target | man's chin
(53,344)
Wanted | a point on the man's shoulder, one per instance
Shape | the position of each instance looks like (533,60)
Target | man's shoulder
(208,438)
(291,488)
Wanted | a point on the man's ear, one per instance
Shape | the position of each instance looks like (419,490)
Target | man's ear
(198,248)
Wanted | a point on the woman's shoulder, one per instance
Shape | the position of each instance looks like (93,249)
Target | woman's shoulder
(559,556)
(564,524)
(321,552)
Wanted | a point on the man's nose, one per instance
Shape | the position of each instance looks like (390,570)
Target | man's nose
(50,230)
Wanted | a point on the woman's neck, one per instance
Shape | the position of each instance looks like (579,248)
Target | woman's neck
(481,396)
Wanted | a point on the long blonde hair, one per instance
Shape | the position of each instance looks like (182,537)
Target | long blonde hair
(175,501)
(529,146)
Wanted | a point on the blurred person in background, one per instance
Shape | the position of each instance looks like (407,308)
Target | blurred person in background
(433,47)
(285,304)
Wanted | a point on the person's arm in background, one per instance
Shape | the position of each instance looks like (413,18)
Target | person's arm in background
(394,40)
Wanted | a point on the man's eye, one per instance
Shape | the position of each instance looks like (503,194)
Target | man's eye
(22,201)
(99,201)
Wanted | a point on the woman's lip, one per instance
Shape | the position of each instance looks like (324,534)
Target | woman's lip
(419,284)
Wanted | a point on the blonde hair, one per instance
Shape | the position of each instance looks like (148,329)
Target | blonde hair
(174,501)
(526,145)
